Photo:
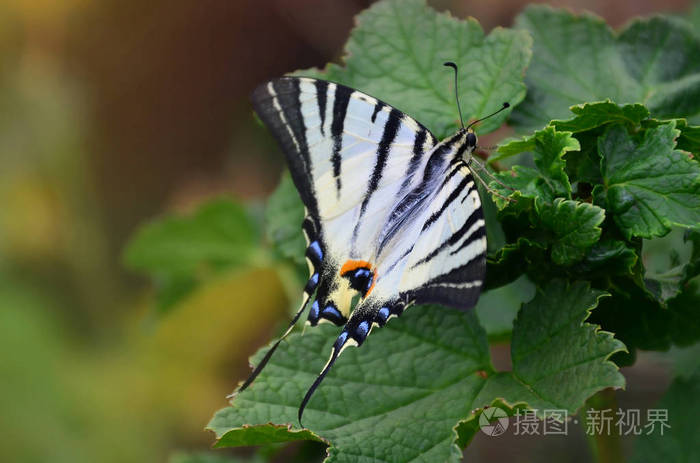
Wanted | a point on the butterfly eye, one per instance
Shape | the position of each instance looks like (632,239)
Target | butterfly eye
(471,140)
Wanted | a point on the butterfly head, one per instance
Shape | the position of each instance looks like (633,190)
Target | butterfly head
(470,140)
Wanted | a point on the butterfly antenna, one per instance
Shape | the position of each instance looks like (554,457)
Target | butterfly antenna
(506,105)
(454,66)
(269,353)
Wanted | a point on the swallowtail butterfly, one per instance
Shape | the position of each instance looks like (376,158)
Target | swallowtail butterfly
(392,214)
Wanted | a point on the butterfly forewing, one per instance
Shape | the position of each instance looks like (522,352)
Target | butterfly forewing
(351,156)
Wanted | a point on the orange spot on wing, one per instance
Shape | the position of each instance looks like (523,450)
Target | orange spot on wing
(352,265)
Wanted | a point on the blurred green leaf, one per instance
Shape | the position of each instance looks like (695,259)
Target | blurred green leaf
(679,437)
(397,50)
(451,376)
(283,217)
(578,59)
(212,457)
(649,186)
(668,280)
(177,252)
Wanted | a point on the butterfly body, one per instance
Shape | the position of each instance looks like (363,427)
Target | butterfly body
(392,215)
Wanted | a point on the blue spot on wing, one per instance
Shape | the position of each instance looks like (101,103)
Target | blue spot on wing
(362,330)
(314,313)
(314,251)
(383,315)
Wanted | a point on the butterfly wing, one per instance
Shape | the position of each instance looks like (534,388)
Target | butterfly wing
(433,250)
(352,157)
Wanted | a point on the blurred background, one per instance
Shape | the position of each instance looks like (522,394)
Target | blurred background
(115,112)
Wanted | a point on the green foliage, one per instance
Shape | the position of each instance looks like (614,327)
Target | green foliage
(648,185)
(576,59)
(642,186)
(574,227)
(178,252)
(204,457)
(396,53)
(569,223)
(549,179)
(450,379)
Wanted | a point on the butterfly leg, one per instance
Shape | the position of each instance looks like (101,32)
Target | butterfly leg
(472,161)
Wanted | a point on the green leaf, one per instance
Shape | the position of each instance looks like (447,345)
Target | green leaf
(498,308)
(549,179)
(578,59)
(283,216)
(544,361)
(396,53)
(177,252)
(512,260)
(373,406)
(593,115)
(649,186)
(689,138)
(638,320)
(608,257)
(679,440)
(575,227)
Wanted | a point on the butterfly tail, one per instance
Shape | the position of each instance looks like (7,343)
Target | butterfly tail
(354,333)
(340,343)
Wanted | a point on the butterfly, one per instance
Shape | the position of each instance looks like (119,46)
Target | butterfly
(392,214)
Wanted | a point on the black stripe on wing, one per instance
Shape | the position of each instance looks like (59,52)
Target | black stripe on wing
(416,158)
(321,98)
(460,190)
(466,230)
(391,129)
(340,108)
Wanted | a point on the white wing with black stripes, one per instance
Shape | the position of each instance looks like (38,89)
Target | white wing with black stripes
(391,214)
